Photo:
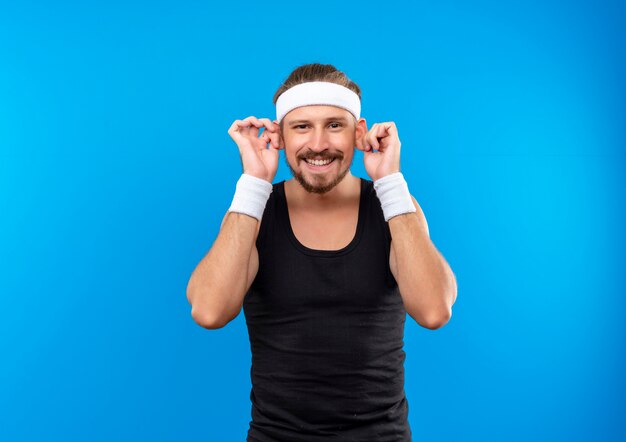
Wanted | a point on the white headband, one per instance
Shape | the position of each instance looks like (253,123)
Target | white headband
(318,92)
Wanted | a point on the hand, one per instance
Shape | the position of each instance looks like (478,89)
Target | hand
(257,160)
(386,159)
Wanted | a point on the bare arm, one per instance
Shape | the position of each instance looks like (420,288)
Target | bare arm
(221,280)
(426,281)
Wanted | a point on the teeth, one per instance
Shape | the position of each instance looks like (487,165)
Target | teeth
(318,162)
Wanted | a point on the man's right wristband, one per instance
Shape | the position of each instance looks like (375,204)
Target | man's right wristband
(251,195)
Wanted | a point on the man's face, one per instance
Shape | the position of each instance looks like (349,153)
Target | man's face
(325,135)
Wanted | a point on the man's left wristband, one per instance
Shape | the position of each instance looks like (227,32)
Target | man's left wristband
(393,193)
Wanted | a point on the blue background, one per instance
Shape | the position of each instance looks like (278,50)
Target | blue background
(116,169)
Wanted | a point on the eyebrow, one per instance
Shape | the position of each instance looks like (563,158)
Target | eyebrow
(291,123)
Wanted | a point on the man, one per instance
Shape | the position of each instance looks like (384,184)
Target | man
(325,265)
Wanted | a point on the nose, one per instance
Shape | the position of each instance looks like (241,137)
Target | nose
(319,140)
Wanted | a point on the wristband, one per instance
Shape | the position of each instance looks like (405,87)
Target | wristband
(393,193)
(251,195)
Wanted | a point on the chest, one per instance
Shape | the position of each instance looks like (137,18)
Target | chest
(328,231)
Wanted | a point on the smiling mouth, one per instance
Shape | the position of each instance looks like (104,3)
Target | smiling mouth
(318,163)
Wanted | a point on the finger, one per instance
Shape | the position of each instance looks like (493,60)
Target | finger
(252,119)
(274,139)
(246,129)
(261,123)
(266,139)
(268,124)
(242,124)
(372,136)
(366,145)
(235,130)
(390,127)
(384,129)
(378,135)
(236,125)
(255,124)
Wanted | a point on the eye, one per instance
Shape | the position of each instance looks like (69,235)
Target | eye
(299,126)
(337,125)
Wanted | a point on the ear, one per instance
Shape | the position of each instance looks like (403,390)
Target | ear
(360,132)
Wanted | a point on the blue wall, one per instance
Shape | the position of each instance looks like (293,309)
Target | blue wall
(116,169)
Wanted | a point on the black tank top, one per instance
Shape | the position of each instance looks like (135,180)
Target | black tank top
(326,332)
